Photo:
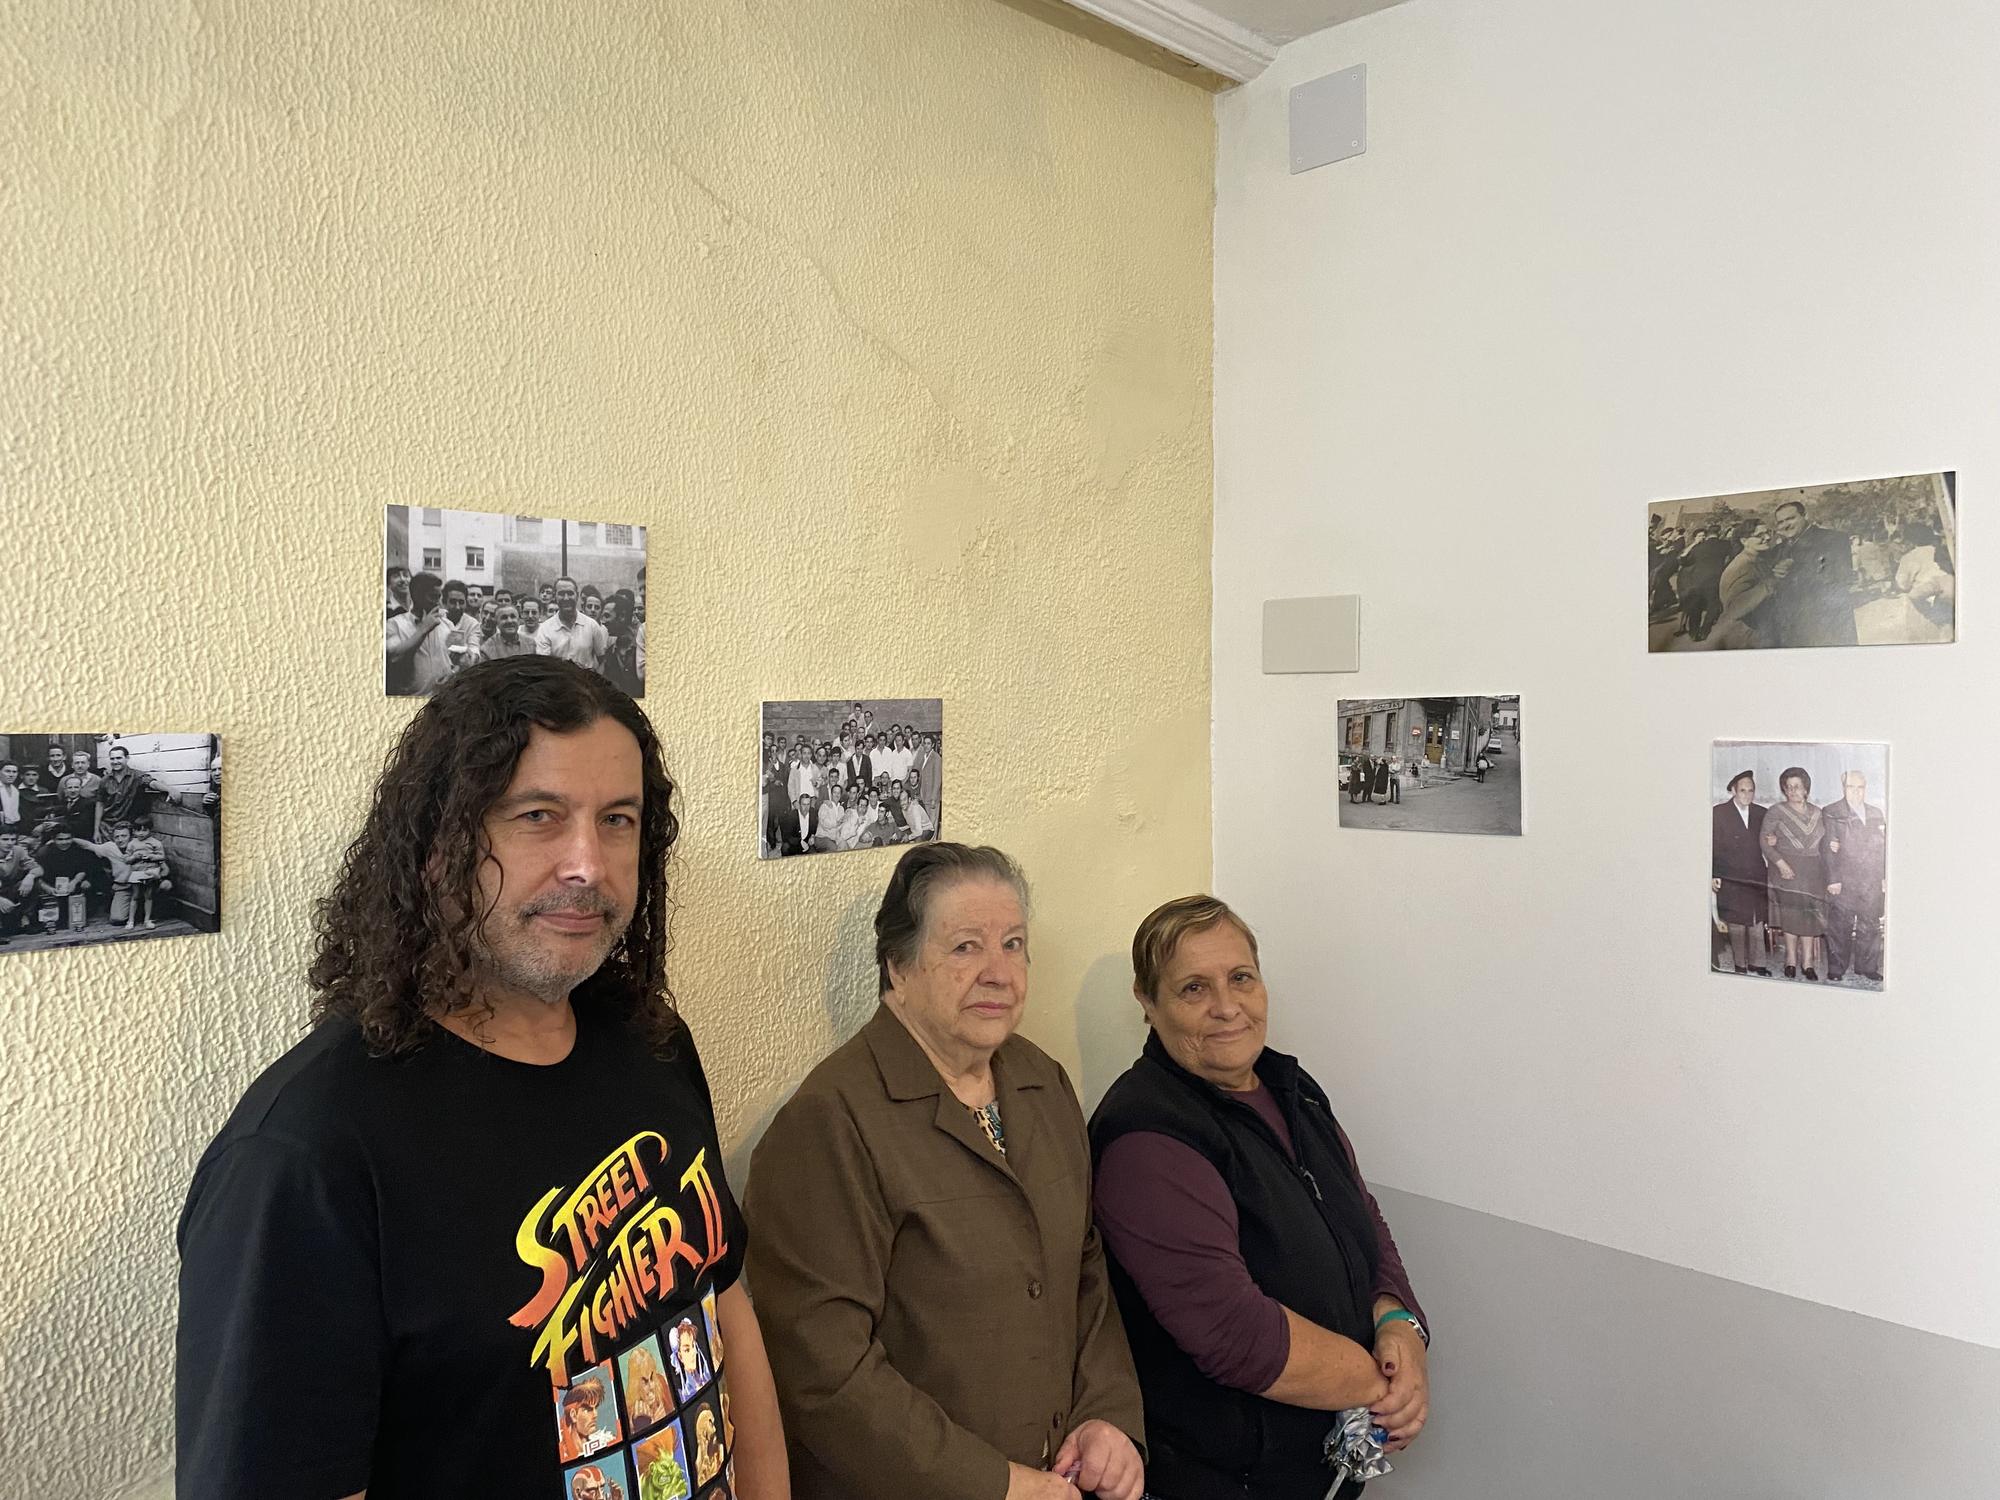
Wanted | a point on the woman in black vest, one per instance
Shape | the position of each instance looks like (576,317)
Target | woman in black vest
(1261,1290)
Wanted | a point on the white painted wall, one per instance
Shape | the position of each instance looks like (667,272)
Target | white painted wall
(1595,256)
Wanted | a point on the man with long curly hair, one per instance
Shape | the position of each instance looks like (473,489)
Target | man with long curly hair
(491,1168)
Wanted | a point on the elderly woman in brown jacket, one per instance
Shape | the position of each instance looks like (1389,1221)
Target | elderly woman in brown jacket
(921,1252)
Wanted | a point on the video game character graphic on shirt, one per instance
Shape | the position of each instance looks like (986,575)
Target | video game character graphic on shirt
(692,1371)
(600,1479)
(704,1437)
(626,1248)
(714,1329)
(648,1399)
(586,1416)
(662,1474)
(611,1250)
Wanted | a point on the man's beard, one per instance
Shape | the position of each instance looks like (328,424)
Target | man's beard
(525,966)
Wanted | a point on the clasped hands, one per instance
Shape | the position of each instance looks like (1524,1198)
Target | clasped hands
(1403,1360)
(1096,1459)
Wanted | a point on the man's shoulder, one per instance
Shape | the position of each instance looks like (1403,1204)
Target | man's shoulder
(312,1097)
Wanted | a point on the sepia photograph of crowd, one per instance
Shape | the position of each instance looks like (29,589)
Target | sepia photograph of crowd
(463,586)
(837,774)
(1431,765)
(1873,562)
(1798,882)
(106,838)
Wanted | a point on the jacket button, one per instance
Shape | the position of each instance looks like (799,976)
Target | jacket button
(1035,1289)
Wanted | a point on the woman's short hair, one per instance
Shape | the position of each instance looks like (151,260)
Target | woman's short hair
(920,874)
(1801,773)
(1154,944)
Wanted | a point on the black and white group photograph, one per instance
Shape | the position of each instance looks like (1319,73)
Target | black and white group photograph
(462,586)
(1869,563)
(108,838)
(1431,765)
(1800,834)
(838,774)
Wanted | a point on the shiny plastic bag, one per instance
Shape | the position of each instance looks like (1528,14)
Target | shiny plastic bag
(1354,1449)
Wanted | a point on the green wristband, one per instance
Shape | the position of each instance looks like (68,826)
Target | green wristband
(1404,1315)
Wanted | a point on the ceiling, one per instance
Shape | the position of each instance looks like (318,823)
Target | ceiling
(1284,21)
(1232,39)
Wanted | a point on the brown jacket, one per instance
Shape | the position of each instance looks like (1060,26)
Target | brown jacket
(933,1309)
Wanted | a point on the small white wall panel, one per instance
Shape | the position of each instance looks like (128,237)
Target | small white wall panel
(1313,635)
(1329,118)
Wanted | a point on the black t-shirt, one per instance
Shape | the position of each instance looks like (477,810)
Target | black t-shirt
(449,1274)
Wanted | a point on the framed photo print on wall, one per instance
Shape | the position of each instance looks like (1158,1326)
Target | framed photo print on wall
(462,586)
(1872,562)
(1798,876)
(837,774)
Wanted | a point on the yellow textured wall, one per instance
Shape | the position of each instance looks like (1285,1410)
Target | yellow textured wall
(889,317)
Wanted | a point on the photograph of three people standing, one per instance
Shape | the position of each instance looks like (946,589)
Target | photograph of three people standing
(1798,881)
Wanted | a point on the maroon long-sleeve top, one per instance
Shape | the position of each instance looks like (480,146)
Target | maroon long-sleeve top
(1167,1215)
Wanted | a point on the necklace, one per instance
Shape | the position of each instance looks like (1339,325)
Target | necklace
(987,1116)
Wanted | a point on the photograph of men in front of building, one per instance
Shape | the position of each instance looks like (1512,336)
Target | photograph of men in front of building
(462,587)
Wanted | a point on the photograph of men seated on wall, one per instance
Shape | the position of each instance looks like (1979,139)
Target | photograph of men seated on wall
(106,838)
(848,773)
(1869,563)
(462,586)
(1800,839)
(1431,765)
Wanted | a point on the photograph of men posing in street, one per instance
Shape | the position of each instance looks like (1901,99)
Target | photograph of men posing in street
(836,774)
(1431,765)
(461,586)
(106,838)
(1871,563)
(1800,833)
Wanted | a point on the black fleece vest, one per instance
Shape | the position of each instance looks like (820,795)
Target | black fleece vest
(1307,1241)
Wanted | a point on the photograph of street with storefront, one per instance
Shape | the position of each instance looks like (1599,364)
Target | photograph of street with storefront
(1431,765)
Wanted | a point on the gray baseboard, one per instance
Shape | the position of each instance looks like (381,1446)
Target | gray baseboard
(1567,1371)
